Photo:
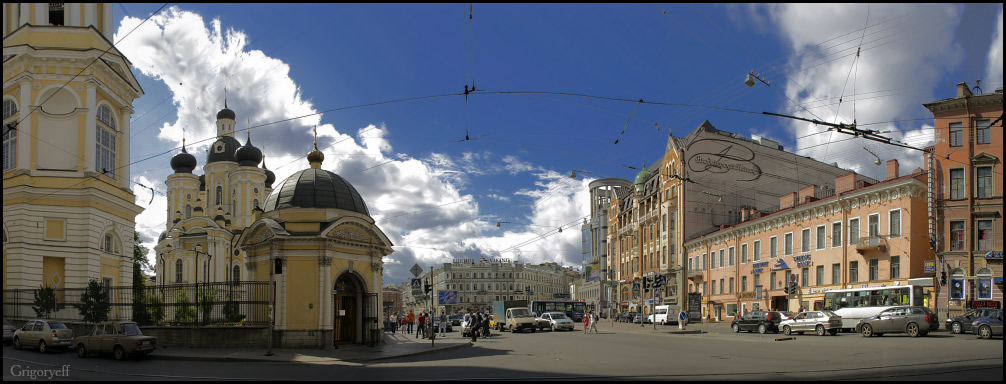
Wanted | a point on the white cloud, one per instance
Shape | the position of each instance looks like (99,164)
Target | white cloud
(419,203)
(994,65)
(896,55)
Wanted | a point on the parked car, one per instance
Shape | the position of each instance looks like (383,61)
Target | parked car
(540,321)
(436,325)
(44,334)
(761,321)
(456,319)
(466,325)
(626,317)
(962,324)
(8,332)
(916,321)
(820,322)
(496,322)
(121,338)
(988,326)
(558,321)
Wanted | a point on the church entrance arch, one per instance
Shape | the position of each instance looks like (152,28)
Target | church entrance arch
(349,299)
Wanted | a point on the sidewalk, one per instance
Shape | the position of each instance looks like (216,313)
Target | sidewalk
(691,328)
(395,345)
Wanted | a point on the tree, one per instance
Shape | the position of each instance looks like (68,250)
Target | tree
(45,301)
(184,313)
(141,314)
(94,303)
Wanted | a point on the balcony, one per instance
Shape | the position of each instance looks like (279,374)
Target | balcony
(694,275)
(872,243)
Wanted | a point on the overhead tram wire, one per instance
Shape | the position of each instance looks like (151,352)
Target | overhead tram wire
(853,67)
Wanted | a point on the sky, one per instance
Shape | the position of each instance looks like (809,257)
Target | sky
(447,175)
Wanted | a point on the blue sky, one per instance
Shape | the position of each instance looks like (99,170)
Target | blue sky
(438,196)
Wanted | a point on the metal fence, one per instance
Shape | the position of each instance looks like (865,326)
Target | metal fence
(176,304)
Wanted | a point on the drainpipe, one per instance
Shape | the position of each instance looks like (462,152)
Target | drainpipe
(971,202)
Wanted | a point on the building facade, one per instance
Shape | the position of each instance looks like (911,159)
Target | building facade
(68,208)
(863,236)
(967,205)
(595,288)
(477,283)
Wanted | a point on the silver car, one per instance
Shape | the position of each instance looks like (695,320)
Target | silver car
(557,321)
(8,332)
(45,335)
(915,321)
(820,322)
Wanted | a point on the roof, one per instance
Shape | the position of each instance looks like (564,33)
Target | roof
(316,188)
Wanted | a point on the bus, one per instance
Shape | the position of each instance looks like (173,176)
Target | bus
(573,309)
(859,303)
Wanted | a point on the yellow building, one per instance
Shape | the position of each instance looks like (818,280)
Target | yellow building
(68,211)
(316,240)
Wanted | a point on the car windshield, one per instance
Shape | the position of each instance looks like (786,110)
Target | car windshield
(558,315)
(520,313)
(131,329)
(56,326)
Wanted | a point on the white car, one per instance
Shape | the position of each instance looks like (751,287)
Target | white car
(557,321)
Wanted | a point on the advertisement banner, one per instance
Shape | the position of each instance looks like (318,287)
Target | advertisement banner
(447,297)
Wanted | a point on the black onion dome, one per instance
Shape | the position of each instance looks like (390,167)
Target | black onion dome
(269,176)
(183,162)
(248,155)
(222,150)
(226,113)
(316,188)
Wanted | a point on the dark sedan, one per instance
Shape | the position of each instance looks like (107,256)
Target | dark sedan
(915,321)
(991,325)
(962,324)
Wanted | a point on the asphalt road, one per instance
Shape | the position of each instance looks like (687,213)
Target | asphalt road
(620,352)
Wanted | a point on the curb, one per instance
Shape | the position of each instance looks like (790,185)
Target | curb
(232,359)
(451,348)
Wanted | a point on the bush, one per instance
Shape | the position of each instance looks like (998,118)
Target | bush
(94,303)
(184,311)
(155,309)
(45,301)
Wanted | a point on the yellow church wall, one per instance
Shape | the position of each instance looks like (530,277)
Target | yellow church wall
(341,265)
(301,292)
(303,227)
(110,268)
(54,272)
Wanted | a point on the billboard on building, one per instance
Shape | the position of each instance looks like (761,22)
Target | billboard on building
(447,297)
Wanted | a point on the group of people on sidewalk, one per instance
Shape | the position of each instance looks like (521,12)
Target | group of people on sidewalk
(424,324)
(590,322)
(480,325)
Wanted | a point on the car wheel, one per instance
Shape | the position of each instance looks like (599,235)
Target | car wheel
(81,351)
(17,343)
(820,330)
(119,353)
(532,330)
(956,327)
(41,347)
(833,332)
(867,330)
(736,328)
(913,330)
(787,330)
(762,328)
(985,332)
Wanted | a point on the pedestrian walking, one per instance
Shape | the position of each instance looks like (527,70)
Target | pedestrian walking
(593,322)
(393,319)
(586,324)
(472,320)
(485,326)
(401,323)
(421,329)
(443,324)
(410,320)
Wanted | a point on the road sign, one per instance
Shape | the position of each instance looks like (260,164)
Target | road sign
(417,287)
(416,270)
(792,277)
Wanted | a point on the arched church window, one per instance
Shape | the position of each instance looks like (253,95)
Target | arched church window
(107,245)
(178,271)
(220,194)
(9,134)
(236,278)
(188,211)
(105,131)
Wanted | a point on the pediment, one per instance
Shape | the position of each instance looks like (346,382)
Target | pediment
(984,158)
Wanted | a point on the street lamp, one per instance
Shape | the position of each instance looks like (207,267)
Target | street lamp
(751,77)
(572,175)
(164,272)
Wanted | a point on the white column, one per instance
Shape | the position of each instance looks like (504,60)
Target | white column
(24,126)
(123,158)
(41,14)
(72,14)
(106,20)
(89,14)
(25,14)
(89,124)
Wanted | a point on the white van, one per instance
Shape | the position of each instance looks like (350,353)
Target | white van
(665,314)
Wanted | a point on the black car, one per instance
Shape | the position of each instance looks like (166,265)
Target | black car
(761,321)
(626,317)
(962,324)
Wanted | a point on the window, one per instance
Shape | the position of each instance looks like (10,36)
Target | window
(757,280)
(104,161)
(820,275)
(744,253)
(787,277)
(836,234)
(219,195)
(853,271)
(854,231)
(757,250)
(744,283)
(957,284)
(56,14)
(107,246)
(874,225)
(188,211)
(836,273)
(730,252)
(771,281)
(723,288)
(773,246)
(9,136)
(984,283)
(821,240)
(957,235)
(713,290)
(895,267)
(788,244)
(874,269)
(984,235)
(805,240)
(957,183)
(731,289)
(895,223)
(956,134)
(178,271)
(236,275)
(722,264)
(804,277)
(983,135)
(983,182)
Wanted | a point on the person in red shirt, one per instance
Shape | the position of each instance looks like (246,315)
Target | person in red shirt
(421,330)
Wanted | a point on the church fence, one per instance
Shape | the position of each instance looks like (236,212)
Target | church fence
(233,304)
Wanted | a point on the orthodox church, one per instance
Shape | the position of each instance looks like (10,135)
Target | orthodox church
(312,236)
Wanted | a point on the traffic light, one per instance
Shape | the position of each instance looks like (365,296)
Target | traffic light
(943,278)
(646,284)
(794,288)
(279,266)
(426,287)
(786,289)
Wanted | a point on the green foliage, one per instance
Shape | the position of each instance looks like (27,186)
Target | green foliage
(184,311)
(207,299)
(155,309)
(94,303)
(231,312)
(140,314)
(45,301)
